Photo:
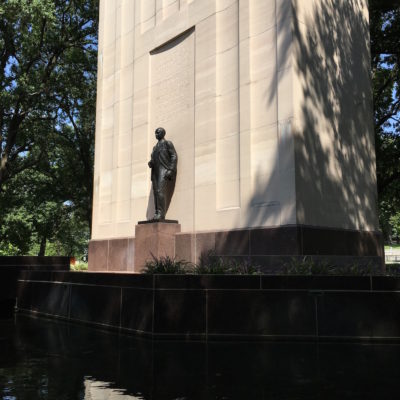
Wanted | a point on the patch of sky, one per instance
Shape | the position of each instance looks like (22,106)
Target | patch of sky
(387,63)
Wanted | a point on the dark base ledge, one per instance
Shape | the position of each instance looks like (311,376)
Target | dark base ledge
(298,240)
(268,247)
(274,246)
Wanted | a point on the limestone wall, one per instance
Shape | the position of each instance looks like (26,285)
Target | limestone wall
(228,80)
(335,153)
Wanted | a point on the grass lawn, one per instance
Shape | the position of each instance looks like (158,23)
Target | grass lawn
(392,254)
(392,247)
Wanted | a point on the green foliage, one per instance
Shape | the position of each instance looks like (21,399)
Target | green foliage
(166,265)
(214,265)
(48,60)
(385,33)
(394,221)
(308,266)
(48,50)
(393,269)
(15,232)
(7,249)
(35,220)
(79,266)
(393,246)
(211,264)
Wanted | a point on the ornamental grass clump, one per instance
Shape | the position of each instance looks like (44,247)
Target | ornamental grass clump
(209,265)
(212,264)
(308,266)
(393,269)
(166,265)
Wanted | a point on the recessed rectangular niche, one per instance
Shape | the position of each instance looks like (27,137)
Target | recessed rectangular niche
(172,107)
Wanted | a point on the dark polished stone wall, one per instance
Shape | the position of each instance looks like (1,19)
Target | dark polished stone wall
(220,307)
(269,248)
(35,262)
(10,268)
(288,241)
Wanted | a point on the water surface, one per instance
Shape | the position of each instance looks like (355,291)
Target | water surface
(42,359)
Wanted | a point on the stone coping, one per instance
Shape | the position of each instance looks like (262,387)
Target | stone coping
(10,270)
(215,281)
(56,262)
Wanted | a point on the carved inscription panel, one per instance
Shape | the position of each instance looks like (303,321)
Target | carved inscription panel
(172,79)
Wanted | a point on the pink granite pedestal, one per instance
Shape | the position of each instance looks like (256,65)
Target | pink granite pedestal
(154,239)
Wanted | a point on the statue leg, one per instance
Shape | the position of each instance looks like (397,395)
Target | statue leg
(160,198)
(155,197)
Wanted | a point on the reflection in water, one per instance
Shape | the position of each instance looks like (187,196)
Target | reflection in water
(41,359)
(97,390)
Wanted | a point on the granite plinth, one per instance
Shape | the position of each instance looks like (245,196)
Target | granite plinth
(269,248)
(155,239)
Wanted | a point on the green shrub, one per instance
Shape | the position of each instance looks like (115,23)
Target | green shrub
(393,269)
(166,265)
(209,264)
(212,264)
(308,266)
(79,266)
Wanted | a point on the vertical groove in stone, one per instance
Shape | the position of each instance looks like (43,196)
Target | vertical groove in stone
(124,69)
(227,107)
(170,7)
(316,316)
(120,307)
(69,300)
(107,140)
(147,15)
(264,155)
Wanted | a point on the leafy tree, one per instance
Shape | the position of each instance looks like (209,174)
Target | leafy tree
(385,50)
(37,220)
(44,48)
(48,57)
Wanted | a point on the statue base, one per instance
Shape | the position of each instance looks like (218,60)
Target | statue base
(154,221)
(154,239)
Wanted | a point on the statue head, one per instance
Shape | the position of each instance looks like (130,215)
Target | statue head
(160,133)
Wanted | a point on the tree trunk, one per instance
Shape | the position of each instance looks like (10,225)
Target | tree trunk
(42,249)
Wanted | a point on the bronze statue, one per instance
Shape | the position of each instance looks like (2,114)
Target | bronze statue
(163,173)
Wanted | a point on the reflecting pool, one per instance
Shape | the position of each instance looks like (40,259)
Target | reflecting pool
(41,359)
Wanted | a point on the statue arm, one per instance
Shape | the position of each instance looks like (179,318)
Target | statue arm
(151,162)
(173,156)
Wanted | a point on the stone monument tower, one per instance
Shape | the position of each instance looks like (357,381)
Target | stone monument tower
(269,106)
